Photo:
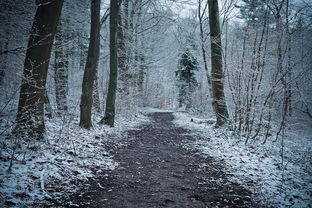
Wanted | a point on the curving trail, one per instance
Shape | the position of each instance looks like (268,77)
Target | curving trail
(156,171)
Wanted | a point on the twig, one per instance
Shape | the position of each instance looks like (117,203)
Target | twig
(75,153)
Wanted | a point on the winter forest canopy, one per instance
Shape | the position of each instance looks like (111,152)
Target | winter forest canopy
(74,71)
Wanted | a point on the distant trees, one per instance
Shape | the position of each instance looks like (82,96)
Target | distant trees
(131,63)
(123,48)
(252,11)
(30,114)
(254,61)
(186,80)
(91,66)
(263,69)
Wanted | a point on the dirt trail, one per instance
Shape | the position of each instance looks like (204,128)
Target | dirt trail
(156,171)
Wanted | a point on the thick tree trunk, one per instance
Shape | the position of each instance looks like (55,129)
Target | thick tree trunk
(30,115)
(109,117)
(91,66)
(61,71)
(217,77)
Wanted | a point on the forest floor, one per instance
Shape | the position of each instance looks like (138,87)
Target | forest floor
(157,159)
(155,170)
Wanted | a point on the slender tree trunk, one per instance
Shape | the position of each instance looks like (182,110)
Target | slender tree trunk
(202,38)
(30,114)
(3,64)
(61,71)
(91,66)
(47,105)
(141,76)
(142,68)
(81,50)
(109,117)
(5,47)
(289,67)
(2,67)
(96,95)
(217,76)
(122,56)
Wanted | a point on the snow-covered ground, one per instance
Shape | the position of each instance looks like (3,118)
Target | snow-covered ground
(148,110)
(70,154)
(256,166)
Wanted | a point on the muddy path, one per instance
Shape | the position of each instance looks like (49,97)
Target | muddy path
(156,171)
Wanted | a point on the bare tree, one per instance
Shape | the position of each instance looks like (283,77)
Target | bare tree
(61,69)
(202,38)
(91,66)
(109,117)
(217,77)
(30,114)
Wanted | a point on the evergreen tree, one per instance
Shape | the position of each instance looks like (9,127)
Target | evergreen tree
(185,74)
(252,11)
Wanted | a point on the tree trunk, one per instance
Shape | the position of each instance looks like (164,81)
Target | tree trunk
(91,66)
(3,64)
(61,71)
(30,114)
(202,38)
(109,117)
(141,77)
(139,49)
(217,77)
(96,95)
(289,61)
(48,107)
(122,57)
(82,51)
(5,46)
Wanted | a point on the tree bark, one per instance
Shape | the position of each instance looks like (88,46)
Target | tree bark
(61,70)
(122,56)
(5,46)
(96,95)
(91,66)
(109,117)
(217,77)
(30,114)
(202,38)
(47,105)
(3,65)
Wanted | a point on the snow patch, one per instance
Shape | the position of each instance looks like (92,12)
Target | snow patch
(49,170)
(258,167)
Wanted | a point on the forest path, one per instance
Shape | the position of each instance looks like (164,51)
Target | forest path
(156,171)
